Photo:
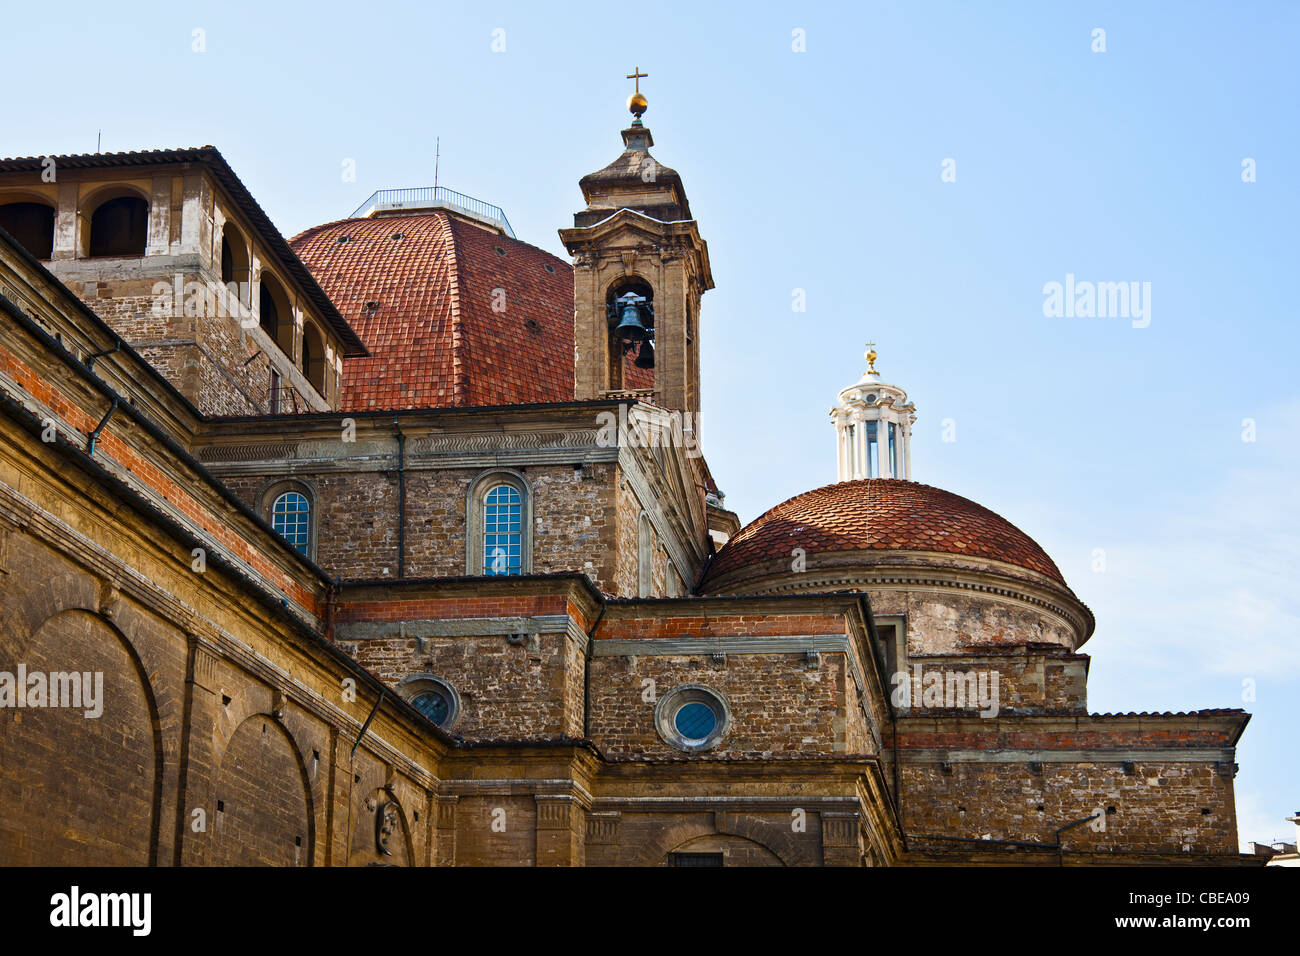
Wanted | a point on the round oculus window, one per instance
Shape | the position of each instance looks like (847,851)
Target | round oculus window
(433,697)
(692,718)
(433,704)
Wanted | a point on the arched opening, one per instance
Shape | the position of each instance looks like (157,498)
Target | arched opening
(263,813)
(81,771)
(629,308)
(32,226)
(235,267)
(313,357)
(275,313)
(119,227)
(722,849)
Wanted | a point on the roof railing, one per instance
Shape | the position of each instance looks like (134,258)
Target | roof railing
(435,197)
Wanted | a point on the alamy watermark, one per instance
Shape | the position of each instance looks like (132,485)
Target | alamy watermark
(1102,300)
(74,690)
(195,299)
(663,430)
(948,690)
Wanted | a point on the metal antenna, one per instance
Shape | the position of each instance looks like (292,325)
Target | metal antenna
(437,152)
(99,141)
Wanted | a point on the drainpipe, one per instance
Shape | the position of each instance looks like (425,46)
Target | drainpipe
(94,436)
(1060,850)
(331,607)
(352,777)
(586,674)
(90,359)
(401,500)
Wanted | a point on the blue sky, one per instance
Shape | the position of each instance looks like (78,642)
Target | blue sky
(820,170)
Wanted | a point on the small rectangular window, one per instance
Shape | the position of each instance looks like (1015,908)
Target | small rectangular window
(695,859)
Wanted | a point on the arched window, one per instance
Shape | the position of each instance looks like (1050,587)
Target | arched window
(313,357)
(499,538)
(268,313)
(234,263)
(645,536)
(291,518)
(31,224)
(119,227)
(276,315)
(503,537)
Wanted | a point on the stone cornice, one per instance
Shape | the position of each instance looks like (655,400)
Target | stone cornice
(870,570)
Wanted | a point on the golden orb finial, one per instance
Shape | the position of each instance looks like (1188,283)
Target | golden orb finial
(870,356)
(637,103)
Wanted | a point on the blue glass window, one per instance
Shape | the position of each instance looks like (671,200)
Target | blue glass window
(503,537)
(893,451)
(695,721)
(433,705)
(291,518)
(873,452)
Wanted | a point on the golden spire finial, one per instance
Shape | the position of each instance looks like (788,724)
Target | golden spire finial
(636,103)
(870,356)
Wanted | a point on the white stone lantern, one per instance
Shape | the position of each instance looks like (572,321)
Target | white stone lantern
(873,427)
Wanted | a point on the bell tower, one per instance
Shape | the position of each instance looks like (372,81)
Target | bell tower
(640,268)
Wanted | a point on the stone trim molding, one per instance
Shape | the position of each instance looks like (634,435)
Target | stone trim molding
(652,804)
(865,580)
(516,787)
(428,453)
(1092,755)
(690,646)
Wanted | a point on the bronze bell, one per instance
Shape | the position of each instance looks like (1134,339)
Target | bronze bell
(630,327)
(646,357)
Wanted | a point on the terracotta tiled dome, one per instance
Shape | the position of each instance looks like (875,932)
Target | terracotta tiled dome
(419,290)
(882,514)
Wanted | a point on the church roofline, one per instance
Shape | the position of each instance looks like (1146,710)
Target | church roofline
(433,410)
(211,158)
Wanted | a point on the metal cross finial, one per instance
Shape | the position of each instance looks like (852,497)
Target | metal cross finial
(870,356)
(638,76)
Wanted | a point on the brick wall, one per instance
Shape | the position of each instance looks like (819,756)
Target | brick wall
(61,773)
(573,527)
(262,817)
(1159,808)
(778,705)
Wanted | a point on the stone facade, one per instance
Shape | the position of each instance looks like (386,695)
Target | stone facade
(620,701)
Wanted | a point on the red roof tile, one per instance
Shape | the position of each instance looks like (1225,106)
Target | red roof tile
(453,314)
(882,514)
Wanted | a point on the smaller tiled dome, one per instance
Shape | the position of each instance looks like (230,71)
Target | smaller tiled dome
(882,514)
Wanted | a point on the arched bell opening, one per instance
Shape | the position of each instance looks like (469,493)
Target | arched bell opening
(629,309)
